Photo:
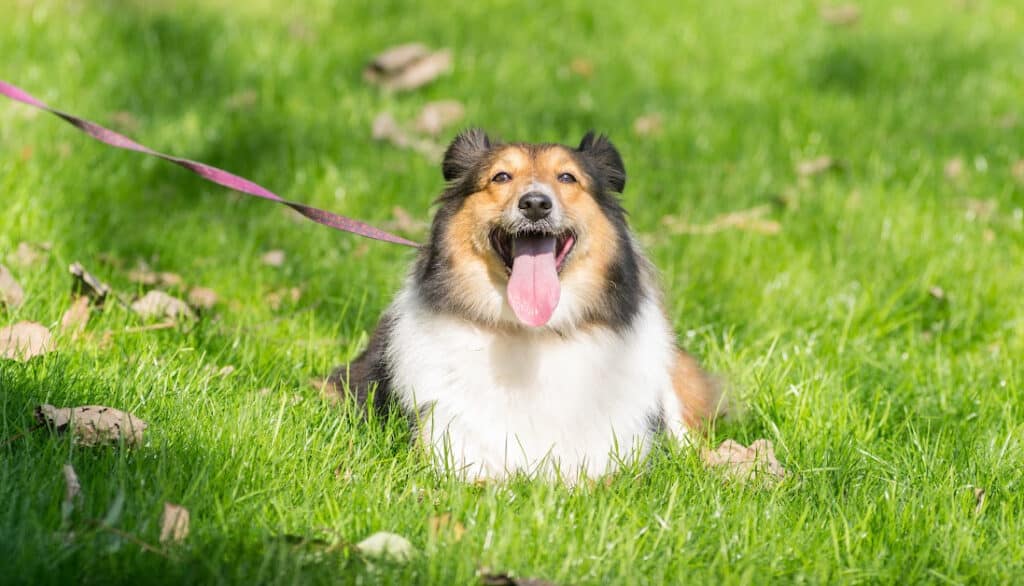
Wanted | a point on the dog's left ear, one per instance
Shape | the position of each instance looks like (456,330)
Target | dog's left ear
(606,159)
(465,151)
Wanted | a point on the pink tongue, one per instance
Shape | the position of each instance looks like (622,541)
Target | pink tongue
(533,288)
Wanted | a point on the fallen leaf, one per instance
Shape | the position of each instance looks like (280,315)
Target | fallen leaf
(582,67)
(937,292)
(24,340)
(72,487)
(11,293)
(1018,171)
(75,318)
(26,254)
(407,67)
(981,209)
(387,545)
(979,499)
(159,304)
(816,166)
(841,14)
(744,464)
(84,283)
(489,577)
(93,425)
(275,299)
(174,523)
(242,100)
(954,168)
(273,258)
(387,129)
(649,125)
(202,298)
(444,525)
(751,220)
(144,275)
(434,117)
(124,122)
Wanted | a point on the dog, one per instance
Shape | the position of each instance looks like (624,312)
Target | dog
(530,335)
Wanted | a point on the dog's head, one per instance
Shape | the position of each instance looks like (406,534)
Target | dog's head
(532,234)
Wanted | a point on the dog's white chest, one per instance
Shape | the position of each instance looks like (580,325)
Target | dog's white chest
(494,403)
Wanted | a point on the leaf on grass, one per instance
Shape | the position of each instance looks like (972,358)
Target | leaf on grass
(273,258)
(387,545)
(242,100)
(434,117)
(27,254)
(174,523)
(841,14)
(979,499)
(77,316)
(72,487)
(443,524)
(749,220)
(817,166)
(407,67)
(24,340)
(954,168)
(276,299)
(387,129)
(144,275)
(582,67)
(159,304)
(1018,171)
(93,425)
(756,463)
(85,283)
(981,209)
(202,298)
(649,125)
(489,577)
(11,293)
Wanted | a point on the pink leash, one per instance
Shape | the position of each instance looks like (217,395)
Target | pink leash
(218,176)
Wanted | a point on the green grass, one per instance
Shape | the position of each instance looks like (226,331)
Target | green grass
(887,405)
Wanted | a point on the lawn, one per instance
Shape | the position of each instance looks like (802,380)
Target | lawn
(870,321)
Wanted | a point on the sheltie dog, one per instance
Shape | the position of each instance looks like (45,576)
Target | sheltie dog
(530,335)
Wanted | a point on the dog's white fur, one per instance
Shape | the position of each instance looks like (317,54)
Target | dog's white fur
(494,402)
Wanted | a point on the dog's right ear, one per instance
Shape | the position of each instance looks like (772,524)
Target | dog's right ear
(464,152)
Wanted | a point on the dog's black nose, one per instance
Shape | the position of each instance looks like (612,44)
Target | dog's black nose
(535,205)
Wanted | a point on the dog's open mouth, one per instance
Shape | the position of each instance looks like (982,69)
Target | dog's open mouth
(533,261)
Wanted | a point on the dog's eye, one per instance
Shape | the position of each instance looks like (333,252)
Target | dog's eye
(566,178)
(501,177)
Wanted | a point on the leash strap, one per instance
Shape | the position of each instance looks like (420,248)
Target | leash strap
(218,176)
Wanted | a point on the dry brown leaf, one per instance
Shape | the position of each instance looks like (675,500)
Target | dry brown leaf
(582,67)
(275,299)
(144,275)
(937,292)
(202,298)
(27,254)
(489,577)
(85,283)
(434,117)
(816,166)
(751,220)
(124,122)
(159,304)
(72,487)
(242,100)
(386,128)
(954,168)
(744,464)
(93,425)
(77,316)
(649,125)
(11,293)
(1018,171)
(174,524)
(981,209)
(273,258)
(407,67)
(24,340)
(443,524)
(841,14)
(979,499)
